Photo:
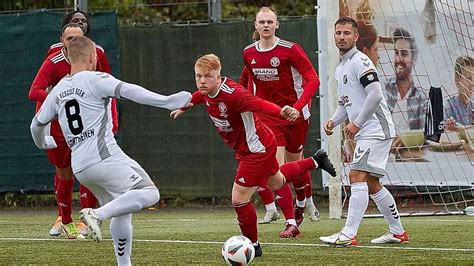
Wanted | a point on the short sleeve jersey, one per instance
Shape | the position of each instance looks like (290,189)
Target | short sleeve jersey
(355,64)
(81,103)
(277,74)
(233,112)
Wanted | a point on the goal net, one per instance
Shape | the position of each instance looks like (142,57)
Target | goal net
(424,53)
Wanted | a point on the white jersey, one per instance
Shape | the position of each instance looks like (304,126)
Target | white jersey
(81,102)
(354,64)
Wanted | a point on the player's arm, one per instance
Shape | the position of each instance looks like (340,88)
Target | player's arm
(108,86)
(42,82)
(196,98)
(311,82)
(246,102)
(39,125)
(371,84)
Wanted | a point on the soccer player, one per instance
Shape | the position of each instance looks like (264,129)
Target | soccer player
(53,69)
(282,74)
(81,102)
(370,125)
(233,110)
(87,199)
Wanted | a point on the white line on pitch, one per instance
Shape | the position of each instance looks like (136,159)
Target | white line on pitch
(273,244)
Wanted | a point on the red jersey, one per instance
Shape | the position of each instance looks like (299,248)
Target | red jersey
(54,68)
(232,110)
(282,75)
(102,60)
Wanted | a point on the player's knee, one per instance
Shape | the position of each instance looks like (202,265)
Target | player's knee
(153,195)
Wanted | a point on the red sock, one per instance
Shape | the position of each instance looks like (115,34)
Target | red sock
(296,170)
(265,194)
(247,217)
(64,198)
(309,185)
(87,198)
(285,201)
(56,183)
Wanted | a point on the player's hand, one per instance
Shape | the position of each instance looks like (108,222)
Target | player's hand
(289,113)
(49,143)
(329,127)
(351,130)
(177,113)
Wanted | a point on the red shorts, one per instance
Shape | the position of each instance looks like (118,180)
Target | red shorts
(255,169)
(61,155)
(292,137)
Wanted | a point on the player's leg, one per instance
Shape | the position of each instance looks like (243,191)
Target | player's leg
(368,160)
(121,186)
(87,200)
(358,203)
(383,198)
(56,228)
(61,158)
(299,186)
(121,230)
(311,209)
(284,195)
(252,172)
(266,195)
(388,207)
(246,214)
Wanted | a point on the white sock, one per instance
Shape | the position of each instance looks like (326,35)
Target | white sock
(121,230)
(291,221)
(388,208)
(271,207)
(358,203)
(300,204)
(309,201)
(130,201)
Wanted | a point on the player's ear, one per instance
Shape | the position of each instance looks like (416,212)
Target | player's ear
(356,37)
(277,24)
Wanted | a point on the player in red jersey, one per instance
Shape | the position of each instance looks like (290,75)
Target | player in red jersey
(282,73)
(87,199)
(233,111)
(53,69)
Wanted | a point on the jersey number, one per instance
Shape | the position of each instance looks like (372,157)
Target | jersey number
(74,119)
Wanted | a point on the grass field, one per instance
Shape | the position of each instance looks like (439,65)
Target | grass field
(195,236)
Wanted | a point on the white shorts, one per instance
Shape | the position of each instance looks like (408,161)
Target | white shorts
(113,177)
(371,155)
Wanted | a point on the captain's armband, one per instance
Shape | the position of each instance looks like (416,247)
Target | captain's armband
(368,78)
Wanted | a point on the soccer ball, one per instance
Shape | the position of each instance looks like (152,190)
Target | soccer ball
(238,250)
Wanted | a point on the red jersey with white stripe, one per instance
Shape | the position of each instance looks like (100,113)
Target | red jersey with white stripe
(102,60)
(233,110)
(282,75)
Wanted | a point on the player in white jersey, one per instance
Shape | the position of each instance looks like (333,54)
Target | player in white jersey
(81,103)
(370,125)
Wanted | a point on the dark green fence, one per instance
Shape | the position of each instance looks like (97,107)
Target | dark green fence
(185,157)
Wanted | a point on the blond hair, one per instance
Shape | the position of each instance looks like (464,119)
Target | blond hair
(266,9)
(79,48)
(209,62)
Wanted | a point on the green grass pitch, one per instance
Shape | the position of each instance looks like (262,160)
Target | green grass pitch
(195,236)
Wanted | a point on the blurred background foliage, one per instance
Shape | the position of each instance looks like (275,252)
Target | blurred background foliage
(166,11)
